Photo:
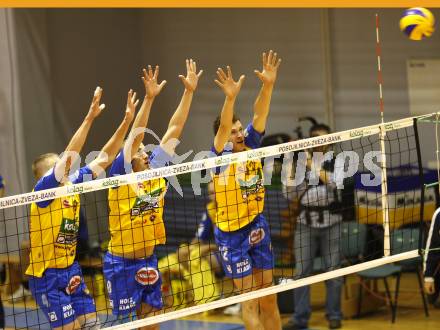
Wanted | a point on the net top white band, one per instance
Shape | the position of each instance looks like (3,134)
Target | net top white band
(266,291)
(203,164)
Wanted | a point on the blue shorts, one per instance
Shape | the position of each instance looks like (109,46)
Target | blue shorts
(62,294)
(131,282)
(245,249)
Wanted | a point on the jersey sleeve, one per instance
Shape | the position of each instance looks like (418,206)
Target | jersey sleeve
(48,181)
(84,174)
(433,252)
(252,138)
(159,158)
(120,166)
(204,231)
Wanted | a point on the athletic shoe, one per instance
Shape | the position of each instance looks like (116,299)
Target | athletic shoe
(232,310)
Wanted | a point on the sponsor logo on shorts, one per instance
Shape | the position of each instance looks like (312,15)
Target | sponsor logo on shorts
(126,304)
(147,276)
(243,266)
(52,316)
(68,311)
(224,252)
(73,285)
(256,236)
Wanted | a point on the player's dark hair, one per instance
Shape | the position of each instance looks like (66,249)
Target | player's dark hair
(216,125)
(319,127)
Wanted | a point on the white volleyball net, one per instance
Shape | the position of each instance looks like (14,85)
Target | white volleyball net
(331,185)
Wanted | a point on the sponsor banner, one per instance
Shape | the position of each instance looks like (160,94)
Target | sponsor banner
(202,164)
(404,198)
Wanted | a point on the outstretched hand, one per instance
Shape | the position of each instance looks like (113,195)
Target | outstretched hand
(152,88)
(226,82)
(270,68)
(96,108)
(131,105)
(192,77)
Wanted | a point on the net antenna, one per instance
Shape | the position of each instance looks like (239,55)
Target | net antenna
(384,186)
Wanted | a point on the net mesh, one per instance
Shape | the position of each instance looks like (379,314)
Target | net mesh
(348,221)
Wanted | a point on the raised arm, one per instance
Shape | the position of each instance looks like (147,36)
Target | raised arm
(268,77)
(71,153)
(231,89)
(178,120)
(152,89)
(112,147)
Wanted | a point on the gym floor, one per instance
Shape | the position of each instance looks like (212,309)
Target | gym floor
(410,314)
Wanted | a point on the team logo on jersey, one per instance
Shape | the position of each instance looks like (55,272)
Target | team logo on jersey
(147,276)
(251,186)
(147,202)
(68,232)
(256,236)
(73,285)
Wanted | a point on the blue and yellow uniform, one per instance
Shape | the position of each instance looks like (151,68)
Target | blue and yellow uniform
(205,230)
(241,232)
(135,223)
(55,279)
(2,183)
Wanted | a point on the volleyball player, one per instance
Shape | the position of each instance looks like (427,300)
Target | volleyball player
(55,279)
(242,232)
(136,211)
(2,187)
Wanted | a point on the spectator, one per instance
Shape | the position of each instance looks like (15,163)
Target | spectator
(432,261)
(320,211)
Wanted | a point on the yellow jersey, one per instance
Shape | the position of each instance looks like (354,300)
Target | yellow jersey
(136,210)
(239,189)
(54,227)
(136,216)
(239,195)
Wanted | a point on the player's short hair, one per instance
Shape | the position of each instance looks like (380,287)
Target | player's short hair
(319,127)
(40,159)
(216,125)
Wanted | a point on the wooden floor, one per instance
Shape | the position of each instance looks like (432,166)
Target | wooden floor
(410,315)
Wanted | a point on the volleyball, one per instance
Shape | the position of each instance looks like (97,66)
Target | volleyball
(417,23)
